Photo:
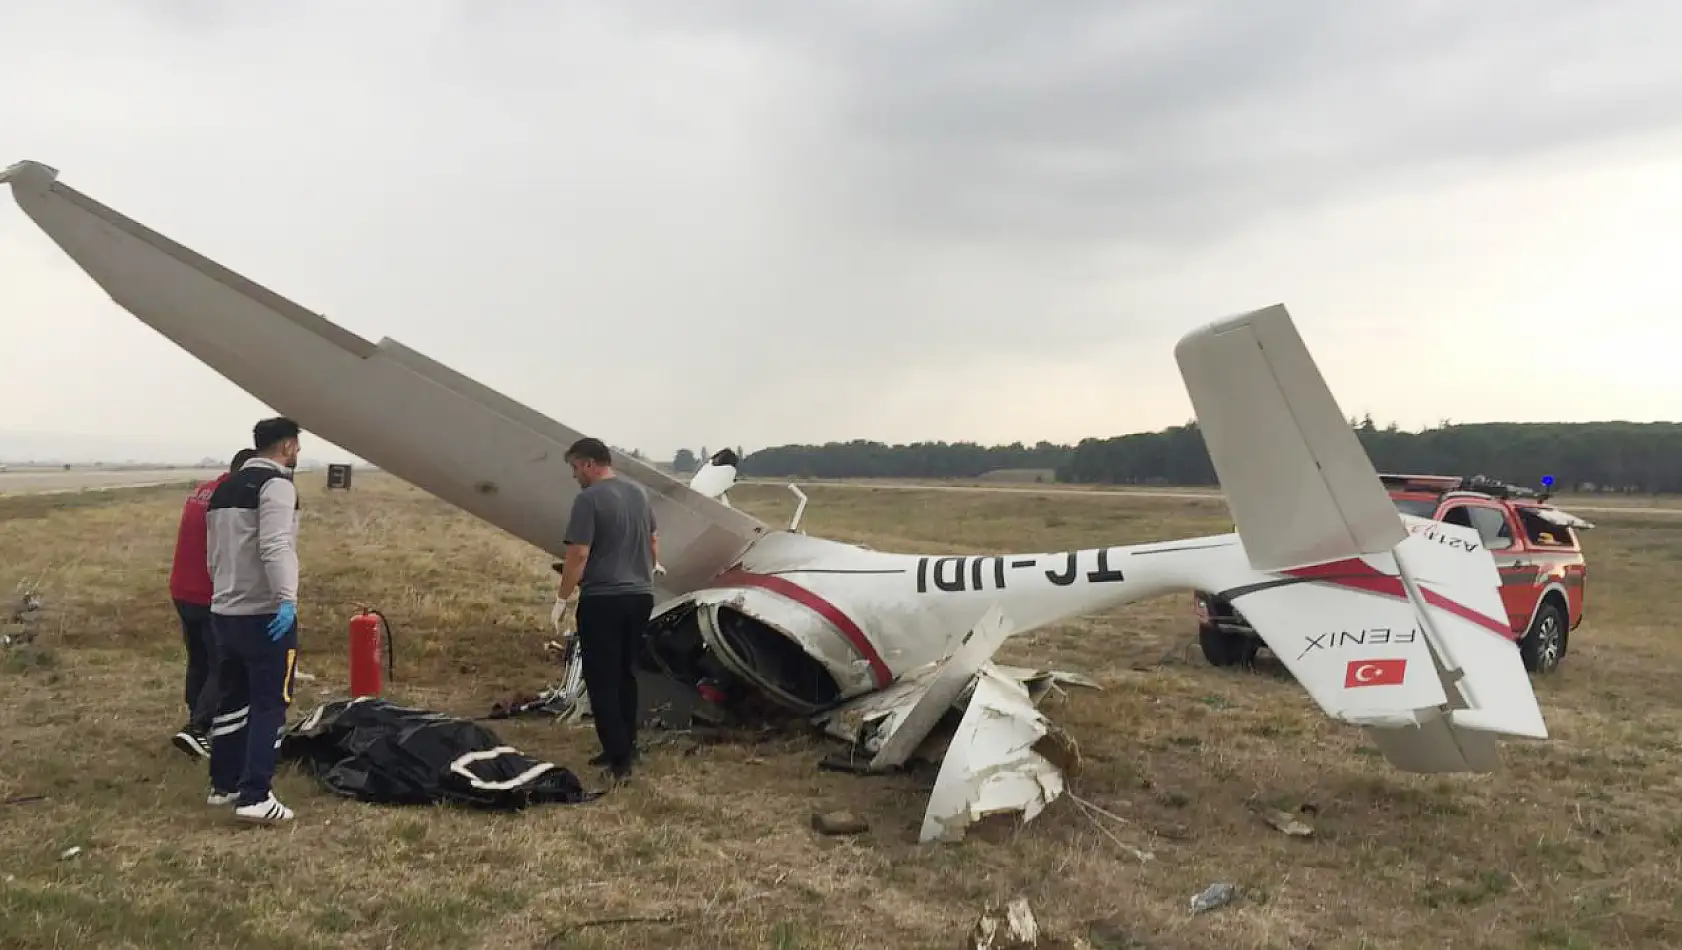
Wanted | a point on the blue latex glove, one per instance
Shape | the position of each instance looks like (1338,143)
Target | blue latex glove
(283,620)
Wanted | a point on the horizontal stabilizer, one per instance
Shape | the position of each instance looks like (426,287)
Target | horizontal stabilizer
(1300,486)
(1350,636)
(1412,645)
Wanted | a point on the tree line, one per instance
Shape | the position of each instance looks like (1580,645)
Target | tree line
(1589,456)
(862,459)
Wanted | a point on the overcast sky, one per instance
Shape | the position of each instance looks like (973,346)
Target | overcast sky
(945,220)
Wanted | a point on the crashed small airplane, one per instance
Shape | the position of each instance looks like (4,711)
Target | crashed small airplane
(877,647)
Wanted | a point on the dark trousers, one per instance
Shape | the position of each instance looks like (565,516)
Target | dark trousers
(200,693)
(255,680)
(610,632)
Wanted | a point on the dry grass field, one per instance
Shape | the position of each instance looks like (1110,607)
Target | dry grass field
(1577,845)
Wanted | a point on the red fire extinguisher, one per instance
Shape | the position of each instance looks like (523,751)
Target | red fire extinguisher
(365,652)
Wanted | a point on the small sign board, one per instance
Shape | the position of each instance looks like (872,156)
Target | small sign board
(338,476)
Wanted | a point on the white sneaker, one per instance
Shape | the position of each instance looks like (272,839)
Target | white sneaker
(269,811)
(221,799)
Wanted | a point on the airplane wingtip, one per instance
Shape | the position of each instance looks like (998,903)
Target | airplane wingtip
(28,172)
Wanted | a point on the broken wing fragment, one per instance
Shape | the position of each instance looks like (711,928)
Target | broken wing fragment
(992,765)
(914,722)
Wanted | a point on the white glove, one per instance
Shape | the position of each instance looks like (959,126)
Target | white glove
(659,568)
(564,616)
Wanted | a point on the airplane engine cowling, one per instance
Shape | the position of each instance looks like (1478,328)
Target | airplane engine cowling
(785,648)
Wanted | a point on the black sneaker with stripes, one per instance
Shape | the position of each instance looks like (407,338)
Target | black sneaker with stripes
(193,741)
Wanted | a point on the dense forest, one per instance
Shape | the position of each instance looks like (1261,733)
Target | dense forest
(1591,456)
(920,460)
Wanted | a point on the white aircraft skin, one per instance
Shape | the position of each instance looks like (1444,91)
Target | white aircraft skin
(1389,622)
(870,617)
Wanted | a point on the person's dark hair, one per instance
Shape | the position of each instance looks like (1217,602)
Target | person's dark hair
(240,458)
(590,450)
(265,434)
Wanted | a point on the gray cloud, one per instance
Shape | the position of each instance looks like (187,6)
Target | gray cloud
(1151,122)
(814,220)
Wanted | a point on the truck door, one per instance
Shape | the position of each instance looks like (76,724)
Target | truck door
(1499,534)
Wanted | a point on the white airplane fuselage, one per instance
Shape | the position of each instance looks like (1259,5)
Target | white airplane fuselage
(868,617)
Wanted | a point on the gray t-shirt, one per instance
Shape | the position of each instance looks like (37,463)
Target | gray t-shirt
(614,518)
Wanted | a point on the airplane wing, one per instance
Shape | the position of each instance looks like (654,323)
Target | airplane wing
(409,415)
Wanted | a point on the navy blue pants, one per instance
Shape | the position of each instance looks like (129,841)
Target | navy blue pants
(200,692)
(254,675)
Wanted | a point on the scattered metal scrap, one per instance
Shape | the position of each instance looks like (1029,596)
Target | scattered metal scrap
(991,765)
(1001,756)
(979,721)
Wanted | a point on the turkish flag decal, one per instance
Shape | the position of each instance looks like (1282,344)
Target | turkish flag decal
(1374,673)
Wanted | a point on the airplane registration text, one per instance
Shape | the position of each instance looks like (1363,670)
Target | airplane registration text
(954,575)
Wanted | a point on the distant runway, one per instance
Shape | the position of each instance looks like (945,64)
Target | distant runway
(51,481)
(1182,494)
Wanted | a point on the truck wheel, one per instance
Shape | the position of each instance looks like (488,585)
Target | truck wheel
(1226,649)
(1544,643)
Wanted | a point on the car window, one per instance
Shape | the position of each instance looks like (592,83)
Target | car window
(1418,507)
(1492,525)
(1543,534)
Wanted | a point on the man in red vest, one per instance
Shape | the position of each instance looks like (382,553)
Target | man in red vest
(190,588)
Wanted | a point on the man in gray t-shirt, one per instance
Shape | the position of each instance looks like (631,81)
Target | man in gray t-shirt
(611,550)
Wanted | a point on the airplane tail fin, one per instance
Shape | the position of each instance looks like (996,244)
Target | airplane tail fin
(1394,625)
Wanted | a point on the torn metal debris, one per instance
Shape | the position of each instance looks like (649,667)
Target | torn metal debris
(980,722)
(991,765)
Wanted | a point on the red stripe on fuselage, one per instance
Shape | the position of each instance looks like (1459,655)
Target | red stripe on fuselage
(821,607)
(1359,575)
